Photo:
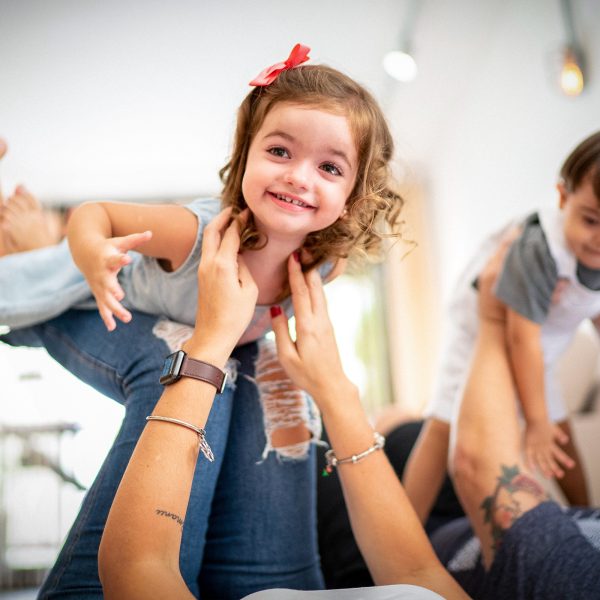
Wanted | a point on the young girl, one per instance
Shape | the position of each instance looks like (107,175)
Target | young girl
(550,282)
(310,161)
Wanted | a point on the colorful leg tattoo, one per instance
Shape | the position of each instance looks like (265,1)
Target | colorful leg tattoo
(515,494)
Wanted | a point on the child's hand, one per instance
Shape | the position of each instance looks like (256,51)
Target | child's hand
(101,268)
(542,449)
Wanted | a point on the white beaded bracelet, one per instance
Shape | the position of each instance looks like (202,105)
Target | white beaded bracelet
(202,443)
(332,461)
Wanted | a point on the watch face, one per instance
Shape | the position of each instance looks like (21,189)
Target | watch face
(171,368)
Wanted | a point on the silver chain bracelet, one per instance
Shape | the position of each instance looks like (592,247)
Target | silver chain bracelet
(332,461)
(202,443)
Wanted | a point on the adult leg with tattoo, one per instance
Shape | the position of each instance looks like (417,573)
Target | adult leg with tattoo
(494,485)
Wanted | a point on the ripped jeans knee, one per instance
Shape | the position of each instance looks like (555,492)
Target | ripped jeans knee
(291,419)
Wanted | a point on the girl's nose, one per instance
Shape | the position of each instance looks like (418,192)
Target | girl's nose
(297,176)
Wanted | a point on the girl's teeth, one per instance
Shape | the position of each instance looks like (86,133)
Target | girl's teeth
(291,201)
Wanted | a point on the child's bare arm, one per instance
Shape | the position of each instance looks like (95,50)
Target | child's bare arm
(101,234)
(426,467)
(527,361)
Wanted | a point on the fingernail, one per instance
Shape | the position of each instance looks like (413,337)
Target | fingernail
(296,256)
(275,311)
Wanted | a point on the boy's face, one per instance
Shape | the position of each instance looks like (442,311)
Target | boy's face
(582,222)
(300,171)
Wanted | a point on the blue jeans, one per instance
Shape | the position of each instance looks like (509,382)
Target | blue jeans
(250,524)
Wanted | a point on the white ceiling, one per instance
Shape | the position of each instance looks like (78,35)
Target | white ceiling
(138,98)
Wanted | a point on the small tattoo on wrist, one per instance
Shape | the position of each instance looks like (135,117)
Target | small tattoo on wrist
(170,515)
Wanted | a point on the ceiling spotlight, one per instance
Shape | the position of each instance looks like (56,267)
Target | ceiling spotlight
(400,65)
(571,75)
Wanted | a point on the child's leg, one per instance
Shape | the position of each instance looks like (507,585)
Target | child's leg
(573,484)
(124,365)
(262,531)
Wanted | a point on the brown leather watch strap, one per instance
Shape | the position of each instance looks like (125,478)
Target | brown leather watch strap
(190,367)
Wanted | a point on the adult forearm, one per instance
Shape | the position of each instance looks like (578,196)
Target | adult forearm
(396,549)
(146,520)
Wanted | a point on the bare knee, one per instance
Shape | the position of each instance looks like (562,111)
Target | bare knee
(463,465)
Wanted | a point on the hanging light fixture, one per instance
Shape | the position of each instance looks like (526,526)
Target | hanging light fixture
(399,63)
(571,78)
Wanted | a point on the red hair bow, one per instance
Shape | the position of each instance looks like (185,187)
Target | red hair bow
(298,55)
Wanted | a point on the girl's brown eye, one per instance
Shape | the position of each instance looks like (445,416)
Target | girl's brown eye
(331,169)
(279,151)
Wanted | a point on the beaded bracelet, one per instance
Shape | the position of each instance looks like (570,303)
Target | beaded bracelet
(333,461)
(202,443)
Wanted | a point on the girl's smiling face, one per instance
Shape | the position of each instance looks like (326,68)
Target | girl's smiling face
(300,171)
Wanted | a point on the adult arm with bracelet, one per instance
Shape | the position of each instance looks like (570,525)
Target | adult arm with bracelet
(145,524)
(385,525)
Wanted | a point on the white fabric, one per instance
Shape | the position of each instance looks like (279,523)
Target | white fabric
(384,592)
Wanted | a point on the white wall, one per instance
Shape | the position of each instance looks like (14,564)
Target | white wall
(485,127)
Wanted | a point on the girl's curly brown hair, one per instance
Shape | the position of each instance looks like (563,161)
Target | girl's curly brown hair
(373,207)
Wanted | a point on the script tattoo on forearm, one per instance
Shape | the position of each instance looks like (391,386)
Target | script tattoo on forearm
(170,515)
(503,507)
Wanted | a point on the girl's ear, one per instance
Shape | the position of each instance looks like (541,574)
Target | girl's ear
(562,193)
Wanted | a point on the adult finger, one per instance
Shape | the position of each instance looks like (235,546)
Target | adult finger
(286,348)
(314,284)
(230,243)
(300,293)
(211,236)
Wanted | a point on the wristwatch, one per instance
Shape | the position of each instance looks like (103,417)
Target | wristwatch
(179,364)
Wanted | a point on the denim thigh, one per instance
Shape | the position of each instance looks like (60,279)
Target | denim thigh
(262,527)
